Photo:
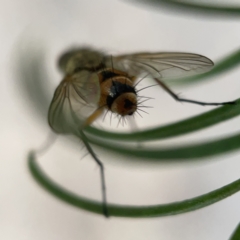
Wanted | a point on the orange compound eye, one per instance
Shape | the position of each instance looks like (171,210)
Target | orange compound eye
(125,104)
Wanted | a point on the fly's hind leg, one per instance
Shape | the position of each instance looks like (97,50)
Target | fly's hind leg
(100,164)
(177,98)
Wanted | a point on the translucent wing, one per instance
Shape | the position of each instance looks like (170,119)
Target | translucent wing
(163,65)
(75,99)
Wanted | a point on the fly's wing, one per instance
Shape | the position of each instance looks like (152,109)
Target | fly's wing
(74,100)
(163,65)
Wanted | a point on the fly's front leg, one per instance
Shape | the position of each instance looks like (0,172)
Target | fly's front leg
(94,116)
(177,98)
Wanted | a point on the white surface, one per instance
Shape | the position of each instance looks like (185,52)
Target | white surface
(28,212)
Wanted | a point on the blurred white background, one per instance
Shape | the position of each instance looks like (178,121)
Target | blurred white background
(27,211)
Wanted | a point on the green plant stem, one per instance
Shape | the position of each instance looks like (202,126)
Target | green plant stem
(130,211)
(206,9)
(236,233)
(188,152)
(189,125)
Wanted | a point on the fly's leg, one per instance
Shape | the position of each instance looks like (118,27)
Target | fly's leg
(92,153)
(94,116)
(175,96)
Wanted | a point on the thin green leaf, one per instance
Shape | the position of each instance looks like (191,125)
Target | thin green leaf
(236,234)
(187,152)
(187,7)
(130,211)
(189,125)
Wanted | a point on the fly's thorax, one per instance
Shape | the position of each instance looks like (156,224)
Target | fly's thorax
(119,95)
(81,59)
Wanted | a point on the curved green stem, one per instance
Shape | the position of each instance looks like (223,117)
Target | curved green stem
(130,211)
(189,125)
(187,7)
(236,234)
(187,152)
